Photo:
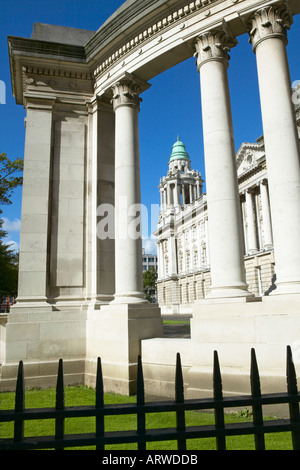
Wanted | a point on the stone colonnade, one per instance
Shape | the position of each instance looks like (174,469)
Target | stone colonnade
(268,35)
(79,328)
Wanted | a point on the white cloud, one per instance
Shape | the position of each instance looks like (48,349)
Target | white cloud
(14,246)
(11,225)
(150,246)
(13,228)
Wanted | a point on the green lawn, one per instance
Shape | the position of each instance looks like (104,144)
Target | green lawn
(82,396)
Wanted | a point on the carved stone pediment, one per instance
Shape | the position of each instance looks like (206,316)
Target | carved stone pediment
(249,156)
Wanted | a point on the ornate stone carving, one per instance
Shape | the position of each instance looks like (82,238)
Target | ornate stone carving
(126,92)
(213,45)
(269,21)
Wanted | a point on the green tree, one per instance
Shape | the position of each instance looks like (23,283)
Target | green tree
(149,278)
(8,267)
(10,178)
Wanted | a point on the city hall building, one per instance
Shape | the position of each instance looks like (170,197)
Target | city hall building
(182,231)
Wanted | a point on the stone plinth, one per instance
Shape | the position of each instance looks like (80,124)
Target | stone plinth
(232,328)
(114,334)
(40,338)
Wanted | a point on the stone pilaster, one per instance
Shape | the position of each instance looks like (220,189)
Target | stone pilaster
(34,240)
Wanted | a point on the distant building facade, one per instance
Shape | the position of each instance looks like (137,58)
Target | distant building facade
(149,261)
(182,231)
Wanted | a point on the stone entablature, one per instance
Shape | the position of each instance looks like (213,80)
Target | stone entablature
(149,27)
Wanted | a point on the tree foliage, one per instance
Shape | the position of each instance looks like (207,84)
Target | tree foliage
(10,178)
(149,278)
(8,267)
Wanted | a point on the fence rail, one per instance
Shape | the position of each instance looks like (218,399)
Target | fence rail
(100,438)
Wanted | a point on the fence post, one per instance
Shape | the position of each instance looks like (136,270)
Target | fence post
(293,390)
(218,396)
(99,404)
(140,399)
(19,404)
(179,398)
(60,404)
(256,409)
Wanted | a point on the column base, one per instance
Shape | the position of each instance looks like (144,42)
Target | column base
(227,293)
(130,298)
(37,306)
(97,302)
(286,288)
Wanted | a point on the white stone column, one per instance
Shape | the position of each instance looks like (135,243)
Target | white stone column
(183,195)
(176,194)
(224,216)
(251,225)
(128,240)
(165,198)
(268,35)
(267,224)
(161,199)
(160,256)
(169,194)
(191,193)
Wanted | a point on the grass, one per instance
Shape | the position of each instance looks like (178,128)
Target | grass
(176,322)
(82,396)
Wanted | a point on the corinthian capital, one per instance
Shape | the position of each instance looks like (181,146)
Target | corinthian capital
(268,22)
(127,90)
(213,45)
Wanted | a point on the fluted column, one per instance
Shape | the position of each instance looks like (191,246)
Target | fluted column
(224,220)
(128,241)
(251,225)
(268,35)
(267,225)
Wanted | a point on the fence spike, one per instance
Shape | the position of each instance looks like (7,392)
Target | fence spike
(20,389)
(256,409)
(19,404)
(293,390)
(140,383)
(99,403)
(99,385)
(179,387)
(60,404)
(179,398)
(218,395)
(291,373)
(140,399)
(60,388)
(254,376)
(217,380)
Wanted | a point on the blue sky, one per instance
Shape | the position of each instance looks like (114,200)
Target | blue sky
(171,107)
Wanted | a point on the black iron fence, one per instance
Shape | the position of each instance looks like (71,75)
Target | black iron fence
(101,438)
